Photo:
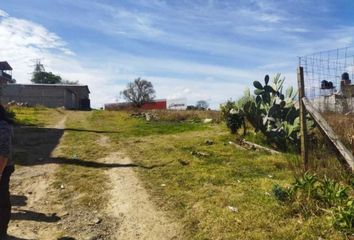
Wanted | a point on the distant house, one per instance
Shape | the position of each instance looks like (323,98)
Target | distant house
(177,103)
(74,97)
(341,102)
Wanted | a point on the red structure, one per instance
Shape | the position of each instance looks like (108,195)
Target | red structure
(156,104)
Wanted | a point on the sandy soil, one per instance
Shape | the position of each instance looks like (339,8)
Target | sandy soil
(34,212)
(131,204)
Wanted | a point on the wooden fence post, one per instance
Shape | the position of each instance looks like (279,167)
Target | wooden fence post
(328,132)
(303,131)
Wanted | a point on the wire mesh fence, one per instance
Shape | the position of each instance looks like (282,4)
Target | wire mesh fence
(329,85)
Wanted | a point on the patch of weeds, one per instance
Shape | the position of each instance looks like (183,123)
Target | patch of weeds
(313,196)
(343,217)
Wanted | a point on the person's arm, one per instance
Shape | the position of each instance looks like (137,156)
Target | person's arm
(5,141)
(3,163)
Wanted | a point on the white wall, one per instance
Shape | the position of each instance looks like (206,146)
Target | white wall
(334,103)
(177,104)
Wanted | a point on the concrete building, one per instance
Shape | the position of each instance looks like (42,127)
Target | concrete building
(49,95)
(74,97)
(341,102)
(177,103)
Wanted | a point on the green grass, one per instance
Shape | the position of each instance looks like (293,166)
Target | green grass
(85,185)
(37,116)
(126,126)
(195,182)
(199,192)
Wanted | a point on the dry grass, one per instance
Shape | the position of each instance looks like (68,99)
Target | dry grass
(192,115)
(343,125)
(176,115)
(323,158)
(322,155)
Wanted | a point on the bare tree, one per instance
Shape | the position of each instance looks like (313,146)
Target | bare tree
(139,92)
(202,105)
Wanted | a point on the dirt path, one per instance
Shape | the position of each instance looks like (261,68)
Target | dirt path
(34,213)
(131,205)
(130,213)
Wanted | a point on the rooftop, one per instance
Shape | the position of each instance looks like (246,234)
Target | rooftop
(5,66)
(51,85)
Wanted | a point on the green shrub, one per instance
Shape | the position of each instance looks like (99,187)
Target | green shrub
(233,116)
(310,195)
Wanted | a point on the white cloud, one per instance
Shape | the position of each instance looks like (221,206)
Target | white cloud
(22,41)
(271,18)
(3,13)
(187,68)
(27,41)
(112,20)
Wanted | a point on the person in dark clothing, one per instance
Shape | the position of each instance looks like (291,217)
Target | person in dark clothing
(6,169)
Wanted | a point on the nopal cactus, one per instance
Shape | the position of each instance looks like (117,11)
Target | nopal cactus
(273,113)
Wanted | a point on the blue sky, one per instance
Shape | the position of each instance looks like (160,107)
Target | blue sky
(203,50)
